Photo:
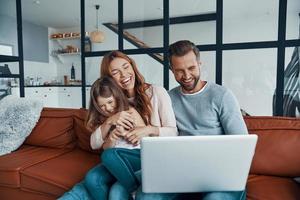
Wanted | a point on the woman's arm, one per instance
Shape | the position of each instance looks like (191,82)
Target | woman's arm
(167,117)
(123,119)
(162,116)
(113,137)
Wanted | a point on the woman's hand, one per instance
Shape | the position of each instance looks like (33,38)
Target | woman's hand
(113,137)
(123,118)
(134,137)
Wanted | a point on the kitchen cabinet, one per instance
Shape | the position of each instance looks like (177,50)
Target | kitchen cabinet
(59,97)
(69,97)
(48,95)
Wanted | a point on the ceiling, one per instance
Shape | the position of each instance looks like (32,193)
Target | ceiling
(66,13)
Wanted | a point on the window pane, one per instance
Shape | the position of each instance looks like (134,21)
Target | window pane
(207,70)
(107,13)
(145,37)
(92,69)
(150,68)
(8,68)
(293,19)
(291,101)
(9,86)
(251,75)
(198,32)
(8,28)
(250,20)
(138,11)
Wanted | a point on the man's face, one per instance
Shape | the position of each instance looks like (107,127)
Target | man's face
(186,70)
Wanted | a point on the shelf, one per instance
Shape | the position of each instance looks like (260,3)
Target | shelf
(69,54)
(52,86)
(66,44)
(66,38)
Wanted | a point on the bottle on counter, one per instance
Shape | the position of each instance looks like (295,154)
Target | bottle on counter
(72,72)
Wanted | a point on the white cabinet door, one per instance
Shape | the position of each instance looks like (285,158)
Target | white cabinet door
(69,97)
(48,95)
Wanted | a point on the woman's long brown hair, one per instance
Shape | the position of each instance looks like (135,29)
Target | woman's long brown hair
(104,87)
(142,100)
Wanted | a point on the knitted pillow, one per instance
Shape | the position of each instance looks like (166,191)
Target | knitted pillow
(18,116)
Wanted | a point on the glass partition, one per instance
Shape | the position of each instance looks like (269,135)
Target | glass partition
(105,37)
(251,75)
(142,34)
(8,28)
(250,20)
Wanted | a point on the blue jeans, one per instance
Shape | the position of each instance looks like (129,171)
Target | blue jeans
(98,184)
(240,195)
(123,164)
(78,192)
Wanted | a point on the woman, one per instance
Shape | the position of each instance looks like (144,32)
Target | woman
(153,104)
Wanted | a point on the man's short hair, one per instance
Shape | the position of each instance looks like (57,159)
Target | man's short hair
(181,48)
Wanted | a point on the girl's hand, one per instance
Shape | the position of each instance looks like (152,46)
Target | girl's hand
(113,137)
(134,137)
(123,119)
(117,133)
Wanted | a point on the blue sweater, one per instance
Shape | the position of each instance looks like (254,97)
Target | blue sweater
(212,111)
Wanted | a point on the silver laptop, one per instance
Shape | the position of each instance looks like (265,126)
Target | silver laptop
(196,163)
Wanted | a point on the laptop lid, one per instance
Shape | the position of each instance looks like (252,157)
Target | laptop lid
(196,163)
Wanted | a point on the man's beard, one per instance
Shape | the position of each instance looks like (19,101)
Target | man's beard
(192,87)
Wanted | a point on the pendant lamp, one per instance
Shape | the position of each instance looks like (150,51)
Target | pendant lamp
(97,36)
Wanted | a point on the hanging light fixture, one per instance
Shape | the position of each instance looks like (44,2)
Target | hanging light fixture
(97,36)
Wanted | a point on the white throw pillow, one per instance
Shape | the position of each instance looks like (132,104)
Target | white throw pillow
(18,116)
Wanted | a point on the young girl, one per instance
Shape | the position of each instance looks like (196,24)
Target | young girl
(107,99)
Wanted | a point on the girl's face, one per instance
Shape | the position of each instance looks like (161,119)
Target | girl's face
(122,72)
(107,105)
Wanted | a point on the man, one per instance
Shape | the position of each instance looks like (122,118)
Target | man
(200,108)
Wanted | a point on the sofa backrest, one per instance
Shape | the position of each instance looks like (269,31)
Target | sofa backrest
(61,128)
(54,129)
(82,133)
(278,147)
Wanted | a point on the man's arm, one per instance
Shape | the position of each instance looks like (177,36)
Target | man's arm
(230,115)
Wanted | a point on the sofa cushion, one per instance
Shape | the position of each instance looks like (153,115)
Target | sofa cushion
(83,135)
(278,146)
(54,129)
(272,188)
(11,164)
(7,193)
(57,175)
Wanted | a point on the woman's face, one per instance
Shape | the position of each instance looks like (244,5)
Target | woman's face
(122,72)
(107,105)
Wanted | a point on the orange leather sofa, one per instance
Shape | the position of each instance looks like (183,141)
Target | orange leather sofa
(57,155)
